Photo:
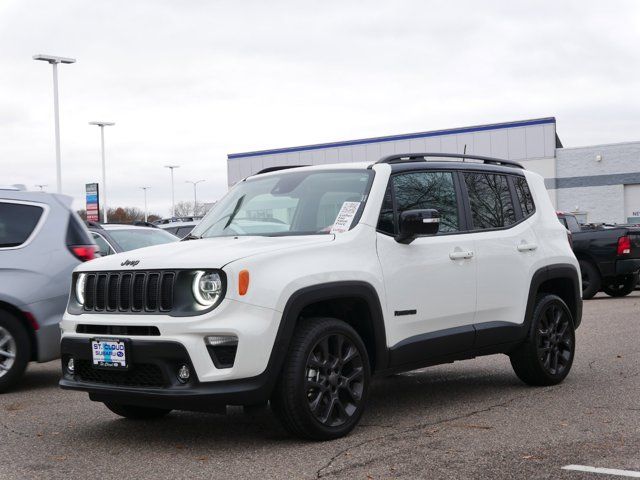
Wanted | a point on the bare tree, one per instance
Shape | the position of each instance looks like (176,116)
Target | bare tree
(186,209)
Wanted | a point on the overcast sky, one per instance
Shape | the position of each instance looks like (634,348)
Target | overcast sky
(189,81)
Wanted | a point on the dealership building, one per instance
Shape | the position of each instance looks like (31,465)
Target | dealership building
(600,183)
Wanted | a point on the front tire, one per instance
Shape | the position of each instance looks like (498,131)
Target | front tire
(546,356)
(15,350)
(323,386)
(620,286)
(134,412)
(591,280)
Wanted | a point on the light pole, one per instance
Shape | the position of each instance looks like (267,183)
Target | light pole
(55,61)
(145,202)
(41,186)
(195,194)
(173,197)
(104,169)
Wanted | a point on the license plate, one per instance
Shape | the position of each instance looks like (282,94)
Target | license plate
(109,353)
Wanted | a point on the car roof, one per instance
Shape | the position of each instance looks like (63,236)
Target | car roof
(165,226)
(35,196)
(119,226)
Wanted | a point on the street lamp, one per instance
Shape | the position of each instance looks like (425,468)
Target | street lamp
(145,202)
(173,197)
(195,194)
(41,186)
(55,61)
(104,170)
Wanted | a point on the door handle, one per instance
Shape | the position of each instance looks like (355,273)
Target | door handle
(460,255)
(527,247)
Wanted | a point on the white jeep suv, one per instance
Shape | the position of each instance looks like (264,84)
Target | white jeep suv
(303,282)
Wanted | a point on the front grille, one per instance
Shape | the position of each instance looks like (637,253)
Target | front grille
(129,292)
(126,330)
(138,375)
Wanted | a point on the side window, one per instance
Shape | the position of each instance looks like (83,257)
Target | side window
(103,247)
(490,199)
(572,223)
(422,190)
(524,196)
(385,222)
(17,223)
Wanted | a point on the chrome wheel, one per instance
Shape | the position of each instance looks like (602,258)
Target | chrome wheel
(555,341)
(7,351)
(334,380)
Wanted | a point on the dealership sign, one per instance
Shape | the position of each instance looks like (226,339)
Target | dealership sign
(93,204)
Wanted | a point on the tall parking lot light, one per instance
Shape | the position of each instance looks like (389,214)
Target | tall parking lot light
(195,194)
(145,202)
(173,196)
(56,114)
(104,169)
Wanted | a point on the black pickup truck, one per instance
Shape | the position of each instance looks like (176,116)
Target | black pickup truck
(609,256)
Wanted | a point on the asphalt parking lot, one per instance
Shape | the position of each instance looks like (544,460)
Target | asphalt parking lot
(470,419)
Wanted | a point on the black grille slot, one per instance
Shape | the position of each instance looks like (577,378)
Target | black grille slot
(125,291)
(145,292)
(139,330)
(138,292)
(101,292)
(138,375)
(153,293)
(166,291)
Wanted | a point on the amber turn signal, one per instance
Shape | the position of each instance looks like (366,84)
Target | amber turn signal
(243,282)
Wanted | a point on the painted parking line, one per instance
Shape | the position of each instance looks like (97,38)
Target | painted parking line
(605,471)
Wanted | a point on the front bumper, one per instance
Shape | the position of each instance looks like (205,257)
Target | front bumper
(152,379)
(627,266)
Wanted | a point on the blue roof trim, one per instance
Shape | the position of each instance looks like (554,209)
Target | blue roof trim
(391,138)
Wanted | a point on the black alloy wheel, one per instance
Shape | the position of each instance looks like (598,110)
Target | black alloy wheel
(546,356)
(334,380)
(620,286)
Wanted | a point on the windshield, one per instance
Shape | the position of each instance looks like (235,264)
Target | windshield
(290,203)
(130,239)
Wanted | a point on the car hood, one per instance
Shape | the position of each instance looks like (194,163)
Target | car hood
(202,253)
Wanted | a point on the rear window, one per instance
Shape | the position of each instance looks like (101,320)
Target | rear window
(77,233)
(138,238)
(17,223)
(524,196)
(491,202)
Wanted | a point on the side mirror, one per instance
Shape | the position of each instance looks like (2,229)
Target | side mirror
(414,223)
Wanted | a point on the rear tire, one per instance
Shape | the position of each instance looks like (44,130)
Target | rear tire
(546,356)
(15,350)
(134,412)
(591,280)
(323,386)
(620,286)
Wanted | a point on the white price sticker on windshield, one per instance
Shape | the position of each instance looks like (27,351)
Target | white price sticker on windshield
(345,217)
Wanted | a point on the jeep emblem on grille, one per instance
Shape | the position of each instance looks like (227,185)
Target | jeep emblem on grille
(130,263)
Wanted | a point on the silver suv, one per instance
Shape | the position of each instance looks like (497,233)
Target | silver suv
(41,241)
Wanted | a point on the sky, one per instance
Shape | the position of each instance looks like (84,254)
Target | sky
(188,82)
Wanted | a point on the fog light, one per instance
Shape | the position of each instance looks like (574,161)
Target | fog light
(71,366)
(221,340)
(184,373)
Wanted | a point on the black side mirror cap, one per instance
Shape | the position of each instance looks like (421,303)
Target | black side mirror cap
(414,223)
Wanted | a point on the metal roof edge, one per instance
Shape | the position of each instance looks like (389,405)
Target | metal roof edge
(390,138)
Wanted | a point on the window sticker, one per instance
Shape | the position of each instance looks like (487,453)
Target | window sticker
(345,217)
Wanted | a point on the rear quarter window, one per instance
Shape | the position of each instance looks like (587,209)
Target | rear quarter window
(17,223)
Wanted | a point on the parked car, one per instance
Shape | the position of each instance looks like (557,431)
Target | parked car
(116,238)
(387,267)
(41,241)
(609,256)
(189,218)
(179,229)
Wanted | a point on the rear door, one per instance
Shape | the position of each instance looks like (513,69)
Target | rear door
(502,214)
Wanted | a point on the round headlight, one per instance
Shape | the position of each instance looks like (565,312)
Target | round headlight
(207,288)
(80,284)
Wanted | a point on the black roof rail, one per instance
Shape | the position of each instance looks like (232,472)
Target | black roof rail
(93,224)
(423,157)
(275,169)
(142,223)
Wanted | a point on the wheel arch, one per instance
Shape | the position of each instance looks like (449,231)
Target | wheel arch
(19,314)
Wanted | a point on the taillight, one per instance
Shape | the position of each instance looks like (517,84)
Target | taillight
(624,245)
(84,253)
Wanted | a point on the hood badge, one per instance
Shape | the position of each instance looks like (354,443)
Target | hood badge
(130,263)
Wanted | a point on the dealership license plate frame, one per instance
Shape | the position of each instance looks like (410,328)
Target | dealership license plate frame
(111,366)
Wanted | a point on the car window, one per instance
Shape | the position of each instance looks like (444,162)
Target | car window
(133,238)
(524,196)
(183,232)
(572,223)
(423,190)
(17,223)
(385,222)
(490,199)
(103,247)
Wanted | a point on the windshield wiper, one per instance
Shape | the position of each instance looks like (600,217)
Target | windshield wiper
(236,209)
(191,237)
